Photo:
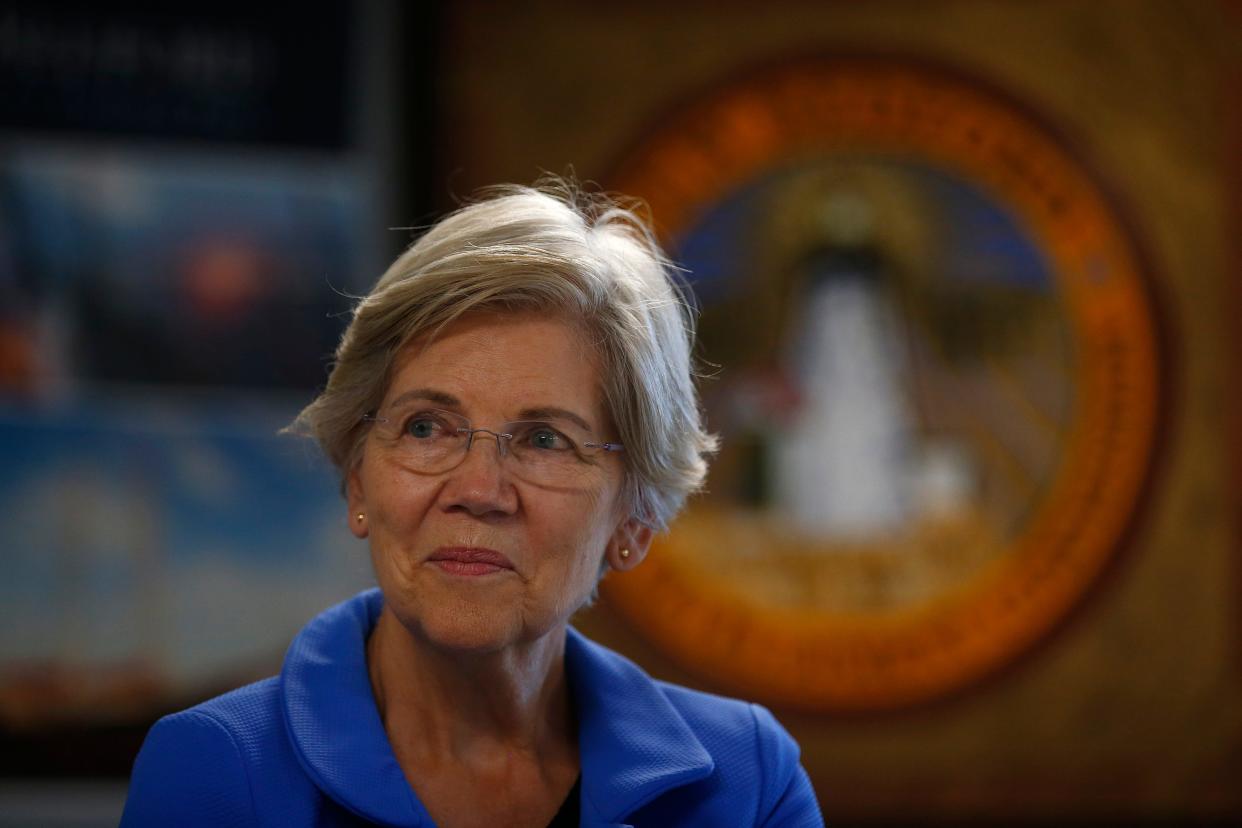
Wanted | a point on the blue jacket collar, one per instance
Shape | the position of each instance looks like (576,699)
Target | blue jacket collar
(633,743)
(332,719)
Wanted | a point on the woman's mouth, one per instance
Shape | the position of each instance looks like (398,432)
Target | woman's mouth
(469,560)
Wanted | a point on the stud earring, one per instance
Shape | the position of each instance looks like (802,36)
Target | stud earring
(625,554)
(361,517)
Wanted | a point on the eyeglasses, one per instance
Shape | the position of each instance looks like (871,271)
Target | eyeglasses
(431,441)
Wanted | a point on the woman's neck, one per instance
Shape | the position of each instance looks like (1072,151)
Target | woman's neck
(470,708)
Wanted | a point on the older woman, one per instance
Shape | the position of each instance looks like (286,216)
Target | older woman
(513,414)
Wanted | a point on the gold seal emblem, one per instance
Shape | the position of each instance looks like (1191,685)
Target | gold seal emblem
(939,390)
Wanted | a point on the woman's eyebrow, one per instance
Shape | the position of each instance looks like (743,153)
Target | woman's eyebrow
(543,412)
(549,412)
(430,395)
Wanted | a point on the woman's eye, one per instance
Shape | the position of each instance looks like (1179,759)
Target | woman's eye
(547,438)
(422,427)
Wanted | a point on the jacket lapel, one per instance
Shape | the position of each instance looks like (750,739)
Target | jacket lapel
(332,720)
(633,744)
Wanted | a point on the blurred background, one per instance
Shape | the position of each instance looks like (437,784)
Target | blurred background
(967,323)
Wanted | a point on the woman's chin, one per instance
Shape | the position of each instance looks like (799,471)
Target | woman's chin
(469,627)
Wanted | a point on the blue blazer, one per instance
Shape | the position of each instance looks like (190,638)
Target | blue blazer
(307,748)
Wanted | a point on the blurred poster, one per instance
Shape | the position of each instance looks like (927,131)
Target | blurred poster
(939,384)
(119,267)
(165,309)
(157,549)
(163,316)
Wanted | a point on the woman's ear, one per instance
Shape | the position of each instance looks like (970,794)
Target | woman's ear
(356,498)
(629,544)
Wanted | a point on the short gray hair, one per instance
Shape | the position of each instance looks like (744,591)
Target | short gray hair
(548,248)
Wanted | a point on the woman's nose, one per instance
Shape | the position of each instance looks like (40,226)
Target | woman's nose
(480,484)
(502,440)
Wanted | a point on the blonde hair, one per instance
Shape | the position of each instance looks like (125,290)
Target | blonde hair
(548,248)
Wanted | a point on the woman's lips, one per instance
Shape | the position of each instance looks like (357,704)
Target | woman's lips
(470,561)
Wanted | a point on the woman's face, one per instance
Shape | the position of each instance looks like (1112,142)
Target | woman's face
(477,557)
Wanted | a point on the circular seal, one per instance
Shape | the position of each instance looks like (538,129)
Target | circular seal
(938,387)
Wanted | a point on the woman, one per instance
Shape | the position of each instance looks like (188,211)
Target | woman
(513,414)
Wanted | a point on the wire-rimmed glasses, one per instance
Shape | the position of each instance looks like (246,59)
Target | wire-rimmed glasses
(432,441)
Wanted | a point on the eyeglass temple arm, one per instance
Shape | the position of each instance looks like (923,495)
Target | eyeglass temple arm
(606,446)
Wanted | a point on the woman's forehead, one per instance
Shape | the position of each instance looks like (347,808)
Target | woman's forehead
(515,362)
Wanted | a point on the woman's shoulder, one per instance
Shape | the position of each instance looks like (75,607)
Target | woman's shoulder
(717,720)
(723,760)
(752,751)
(725,720)
(226,761)
(246,716)
(740,733)
(269,752)
(235,759)
(237,718)
(199,760)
